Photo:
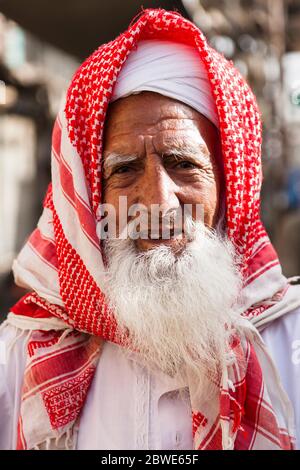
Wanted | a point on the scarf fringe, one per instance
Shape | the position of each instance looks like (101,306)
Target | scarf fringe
(227,440)
(64,335)
(66,441)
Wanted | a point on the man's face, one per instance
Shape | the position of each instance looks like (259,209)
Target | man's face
(160,151)
(173,297)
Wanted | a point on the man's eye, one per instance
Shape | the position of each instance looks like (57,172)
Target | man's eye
(186,165)
(122,169)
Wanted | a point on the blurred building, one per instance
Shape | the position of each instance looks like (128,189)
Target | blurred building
(262,38)
(33,76)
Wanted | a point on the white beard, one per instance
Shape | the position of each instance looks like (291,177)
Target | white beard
(176,306)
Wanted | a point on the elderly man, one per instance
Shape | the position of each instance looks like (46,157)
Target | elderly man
(150,273)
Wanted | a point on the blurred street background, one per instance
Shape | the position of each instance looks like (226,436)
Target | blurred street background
(41,45)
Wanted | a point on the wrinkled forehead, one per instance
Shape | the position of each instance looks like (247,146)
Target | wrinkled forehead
(172,125)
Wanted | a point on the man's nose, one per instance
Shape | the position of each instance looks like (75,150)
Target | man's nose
(157,186)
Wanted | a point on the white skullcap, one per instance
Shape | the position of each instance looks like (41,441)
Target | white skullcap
(171,69)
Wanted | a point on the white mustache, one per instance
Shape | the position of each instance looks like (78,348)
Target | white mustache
(171,224)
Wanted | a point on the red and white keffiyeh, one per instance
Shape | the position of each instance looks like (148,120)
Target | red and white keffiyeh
(62,262)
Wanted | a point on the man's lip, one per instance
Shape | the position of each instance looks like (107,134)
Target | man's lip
(160,241)
(158,235)
(175,244)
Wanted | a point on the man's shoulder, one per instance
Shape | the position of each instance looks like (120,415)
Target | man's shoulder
(282,337)
(12,365)
(286,325)
(9,333)
(12,344)
(285,316)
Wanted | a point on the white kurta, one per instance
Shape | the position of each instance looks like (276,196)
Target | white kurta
(129,408)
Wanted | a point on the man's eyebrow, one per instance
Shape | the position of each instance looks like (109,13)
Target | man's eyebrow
(182,150)
(111,159)
(179,150)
